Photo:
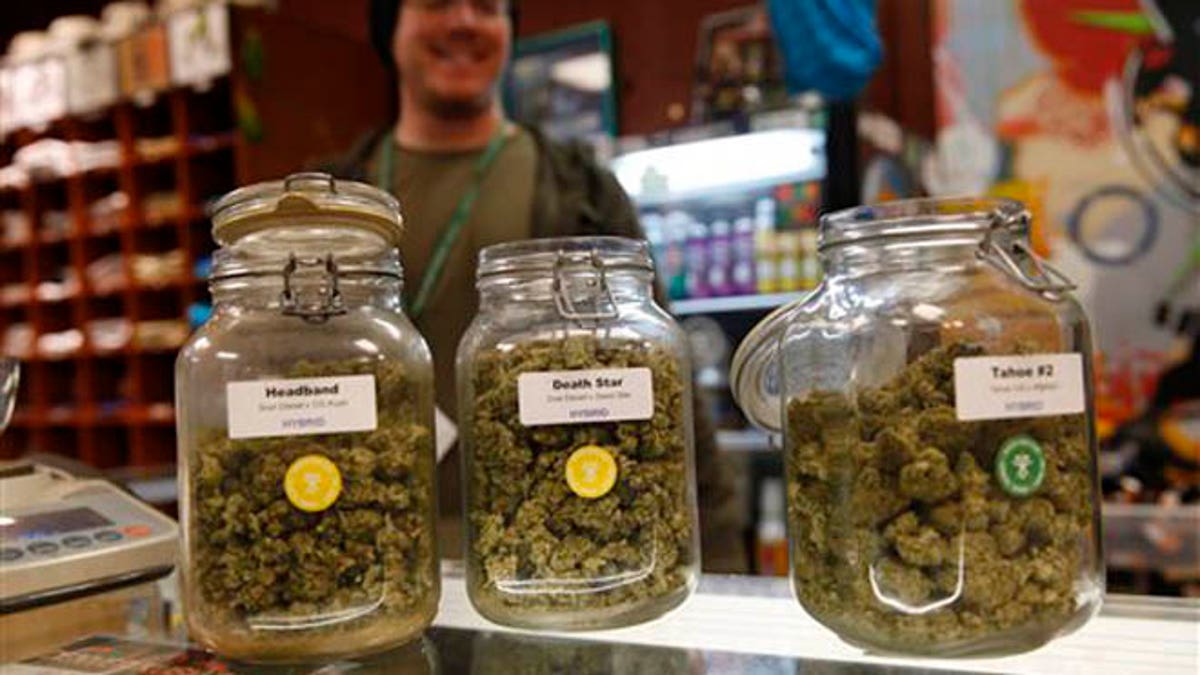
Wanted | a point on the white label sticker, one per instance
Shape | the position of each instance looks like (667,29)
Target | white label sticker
(301,406)
(1006,387)
(585,396)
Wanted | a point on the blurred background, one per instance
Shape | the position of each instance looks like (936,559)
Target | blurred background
(732,124)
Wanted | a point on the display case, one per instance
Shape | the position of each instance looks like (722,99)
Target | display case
(731,625)
(730,211)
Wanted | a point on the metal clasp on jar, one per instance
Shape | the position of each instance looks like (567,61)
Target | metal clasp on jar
(562,293)
(330,301)
(1006,246)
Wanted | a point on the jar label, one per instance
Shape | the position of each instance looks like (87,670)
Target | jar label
(1008,387)
(1020,466)
(591,472)
(585,396)
(301,406)
(312,483)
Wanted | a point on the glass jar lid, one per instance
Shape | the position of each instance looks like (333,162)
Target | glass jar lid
(563,253)
(1000,226)
(575,270)
(916,218)
(754,370)
(318,200)
(306,221)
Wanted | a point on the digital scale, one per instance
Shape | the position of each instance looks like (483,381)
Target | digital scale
(62,537)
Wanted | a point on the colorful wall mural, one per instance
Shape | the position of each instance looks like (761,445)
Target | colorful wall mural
(1089,111)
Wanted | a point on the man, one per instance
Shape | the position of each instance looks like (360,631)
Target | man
(457,165)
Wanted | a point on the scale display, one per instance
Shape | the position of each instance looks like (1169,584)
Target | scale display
(63,537)
(36,525)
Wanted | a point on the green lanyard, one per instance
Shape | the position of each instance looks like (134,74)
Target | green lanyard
(453,227)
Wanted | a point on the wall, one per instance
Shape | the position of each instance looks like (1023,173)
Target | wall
(1029,101)
(655,44)
(322,87)
(902,88)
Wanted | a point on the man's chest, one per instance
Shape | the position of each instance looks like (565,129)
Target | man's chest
(452,211)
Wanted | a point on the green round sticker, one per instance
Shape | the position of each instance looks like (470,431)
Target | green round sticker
(1020,466)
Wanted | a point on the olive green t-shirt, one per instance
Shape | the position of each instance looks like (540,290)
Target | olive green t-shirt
(429,186)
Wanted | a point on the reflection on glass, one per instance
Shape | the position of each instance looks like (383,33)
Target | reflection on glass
(419,657)
(507,653)
(10,371)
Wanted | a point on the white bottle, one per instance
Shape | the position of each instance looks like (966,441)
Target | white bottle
(720,258)
(743,268)
(770,541)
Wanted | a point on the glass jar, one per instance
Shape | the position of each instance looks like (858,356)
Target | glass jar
(935,398)
(575,415)
(305,418)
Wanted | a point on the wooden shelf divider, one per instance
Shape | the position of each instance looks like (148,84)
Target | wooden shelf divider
(109,389)
(98,405)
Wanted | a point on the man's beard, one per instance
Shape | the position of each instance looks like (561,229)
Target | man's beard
(458,108)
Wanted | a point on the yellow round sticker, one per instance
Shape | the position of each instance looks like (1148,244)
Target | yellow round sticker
(312,483)
(591,471)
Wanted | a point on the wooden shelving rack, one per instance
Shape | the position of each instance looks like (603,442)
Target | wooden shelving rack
(112,408)
(311,87)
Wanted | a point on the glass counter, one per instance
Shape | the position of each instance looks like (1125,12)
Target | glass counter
(732,625)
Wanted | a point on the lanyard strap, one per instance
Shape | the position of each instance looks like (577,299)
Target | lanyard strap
(461,214)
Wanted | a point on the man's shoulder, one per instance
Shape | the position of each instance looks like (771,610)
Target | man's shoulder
(571,156)
(576,194)
(569,160)
(355,163)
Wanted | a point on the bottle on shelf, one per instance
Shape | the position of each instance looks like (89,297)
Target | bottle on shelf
(697,258)
(765,250)
(675,226)
(654,225)
(789,254)
(720,258)
(810,267)
(742,272)
(803,210)
(770,537)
